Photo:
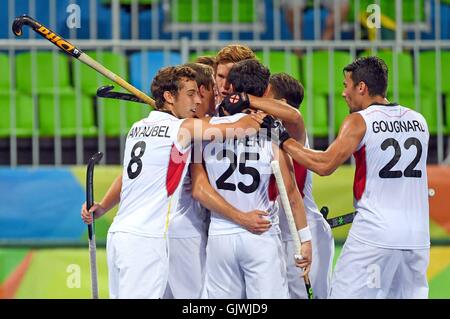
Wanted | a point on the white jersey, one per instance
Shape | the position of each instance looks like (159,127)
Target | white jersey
(240,172)
(154,165)
(303,178)
(390,187)
(190,218)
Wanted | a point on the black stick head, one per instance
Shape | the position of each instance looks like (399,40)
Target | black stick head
(90,180)
(104,90)
(324,211)
(95,158)
(107,92)
(19,22)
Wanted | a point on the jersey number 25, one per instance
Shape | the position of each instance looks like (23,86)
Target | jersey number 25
(221,183)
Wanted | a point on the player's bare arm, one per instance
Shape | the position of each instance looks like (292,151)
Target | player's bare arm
(201,129)
(326,162)
(203,192)
(111,199)
(297,207)
(291,117)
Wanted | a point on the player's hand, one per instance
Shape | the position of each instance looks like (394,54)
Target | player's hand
(306,258)
(252,122)
(86,215)
(235,103)
(275,130)
(255,221)
(259,117)
(268,122)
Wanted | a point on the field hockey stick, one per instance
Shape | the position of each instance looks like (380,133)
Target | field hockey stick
(290,218)
(338,220)
(91,227)
(108,93)
(75,52)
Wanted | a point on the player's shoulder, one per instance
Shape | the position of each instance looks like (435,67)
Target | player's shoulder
(410,113)
(354,124)
(161,116)
(355,118)
(156,123)
(413,113)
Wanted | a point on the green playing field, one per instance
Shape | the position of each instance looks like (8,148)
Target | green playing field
(64,273)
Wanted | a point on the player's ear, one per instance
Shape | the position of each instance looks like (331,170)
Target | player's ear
(168,96)
(362,87)
(202,91)
(266,91)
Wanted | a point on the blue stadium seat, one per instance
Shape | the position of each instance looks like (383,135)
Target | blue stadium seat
(308,23)
(21,7)
(5,22)
(104,19)
(144,66)
(445,22)
(146,25)
(42,14)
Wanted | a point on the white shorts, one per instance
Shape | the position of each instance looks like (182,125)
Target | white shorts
(187,258)
(322,262)
(245,265)
(137,266)
(364,271)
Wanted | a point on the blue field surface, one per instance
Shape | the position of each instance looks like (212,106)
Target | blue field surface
(40,204)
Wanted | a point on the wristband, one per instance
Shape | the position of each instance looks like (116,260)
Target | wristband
(305,234)
(284,136)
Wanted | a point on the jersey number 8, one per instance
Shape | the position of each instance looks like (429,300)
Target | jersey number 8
(136,159)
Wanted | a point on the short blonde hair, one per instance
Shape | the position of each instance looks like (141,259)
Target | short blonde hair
(234,53)
(207,60)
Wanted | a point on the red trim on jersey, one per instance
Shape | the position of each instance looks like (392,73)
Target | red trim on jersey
(388,115)
(359,183)
(273,190)
(175,170)
(300,177)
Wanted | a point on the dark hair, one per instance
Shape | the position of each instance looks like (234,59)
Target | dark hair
(204,74)
(372,71)
(286,87)
(207,60)
(168,79)
(249,76)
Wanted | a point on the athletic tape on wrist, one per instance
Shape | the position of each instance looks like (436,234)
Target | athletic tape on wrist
(305,234)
